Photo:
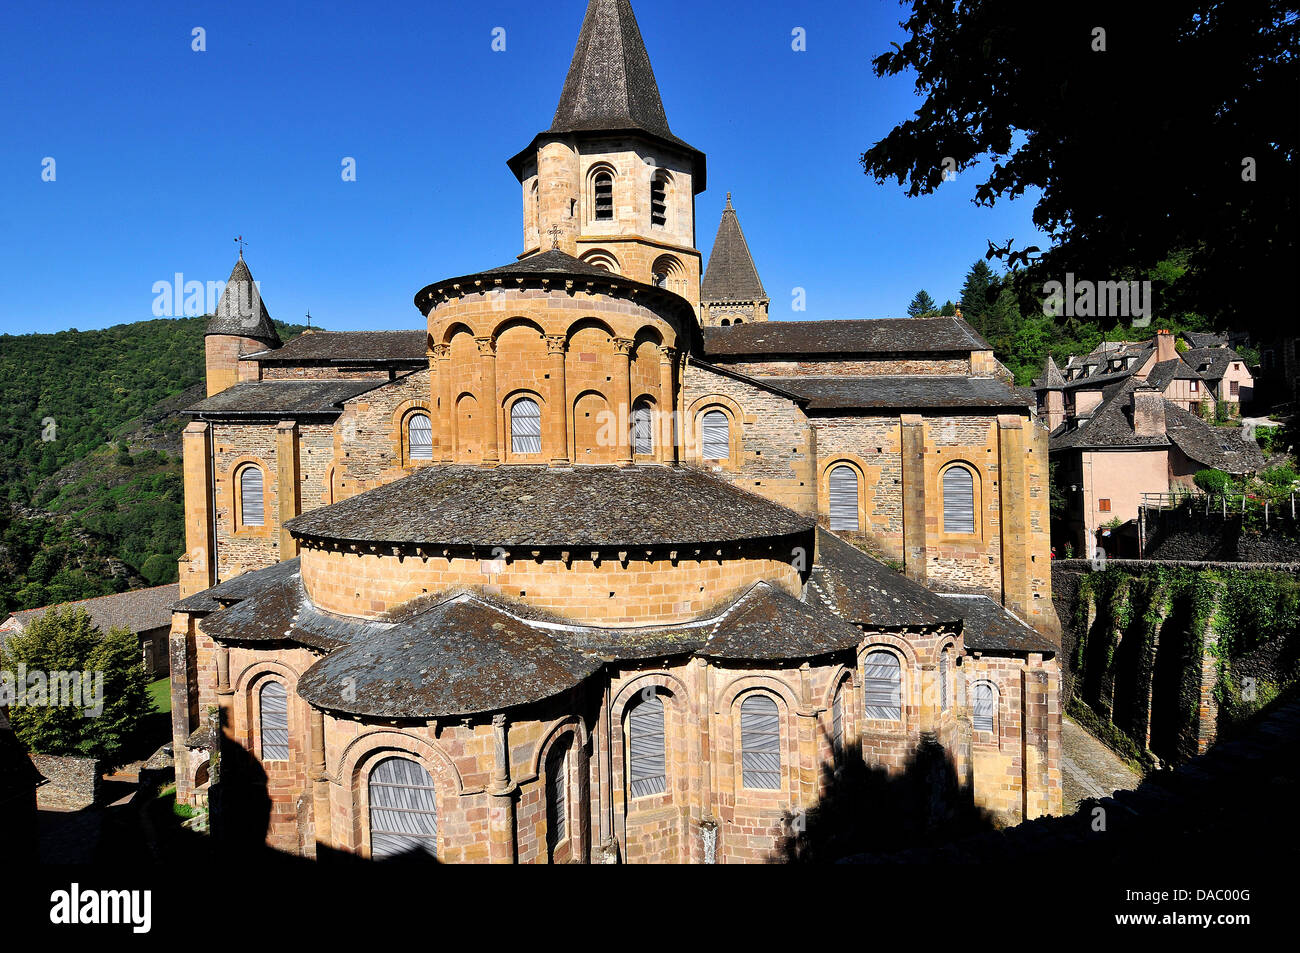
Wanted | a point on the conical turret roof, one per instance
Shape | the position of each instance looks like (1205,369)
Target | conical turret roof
(731,275)
(241,310)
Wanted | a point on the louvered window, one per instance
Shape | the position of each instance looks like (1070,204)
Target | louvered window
(837,720)
(645,744)
(274,704)
(659,199)
(883,686)
(557,787)
(251,504)
(983,718)
(642,433)
(403,809)
(958,501)
(525,426)
(419,437)
(760,743)
(716,431)
(604,195)
(844,498)
(943,680)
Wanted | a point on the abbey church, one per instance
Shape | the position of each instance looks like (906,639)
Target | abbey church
(603,565)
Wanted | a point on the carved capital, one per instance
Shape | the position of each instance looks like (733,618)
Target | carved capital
(486,346)
(442,352)
(623,346)
(667,354)
(556,343)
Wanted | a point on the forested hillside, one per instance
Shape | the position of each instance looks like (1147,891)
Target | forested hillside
(91,498)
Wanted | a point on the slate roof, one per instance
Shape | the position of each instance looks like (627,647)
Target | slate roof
(1165,373)
(1211,362)
(1053,377)
(1220,448)
(852,585)
(237,589)
(138,610)
(989,627)
(546,506)
(731,275)
(241,309)
(1198,339)
(890,392)
(551,262)
(870,336)
(282,398)
(349,347)
(1111,427)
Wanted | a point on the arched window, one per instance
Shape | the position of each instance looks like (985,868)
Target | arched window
(882,685)
(403,809)
(843,482)
(646,765)
(557,800)
(535,206)
(669,273)
(659,199)
(643,429)
(525,426)
(943,680)
(603,195)
(837,721)
(958,500)
(419,437)
(760,743)
(252,506)
(715,430)
(273,704)
(985,707)
(726,322)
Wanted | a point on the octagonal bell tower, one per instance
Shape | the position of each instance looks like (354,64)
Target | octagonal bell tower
(608,182)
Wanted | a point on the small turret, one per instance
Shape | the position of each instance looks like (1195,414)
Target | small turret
(731,292)
(240,326)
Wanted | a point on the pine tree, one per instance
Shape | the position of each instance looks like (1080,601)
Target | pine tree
(975,298)
(922,305)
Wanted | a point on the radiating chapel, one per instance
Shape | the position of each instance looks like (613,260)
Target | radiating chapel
(603,565)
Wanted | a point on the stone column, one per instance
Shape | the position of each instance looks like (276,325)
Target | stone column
(223,669)
(1013,517)
(500,791)
(912,447)
(287,486)
(320,780)
(487,350)
(622,396)
(445,419)
(557,422)
(665,437)
(199,571)
(1035,725)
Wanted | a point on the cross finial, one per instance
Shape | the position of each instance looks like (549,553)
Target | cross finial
(240,241)
(555,236)
(728,200)
(308,317)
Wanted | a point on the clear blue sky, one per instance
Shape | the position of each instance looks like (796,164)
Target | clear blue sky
(164,154)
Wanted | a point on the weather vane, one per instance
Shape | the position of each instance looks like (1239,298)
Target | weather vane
(240,241)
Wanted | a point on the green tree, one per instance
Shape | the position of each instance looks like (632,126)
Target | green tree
(975,296)
(159,570)
(922,305)
(1207,173)
(65,640)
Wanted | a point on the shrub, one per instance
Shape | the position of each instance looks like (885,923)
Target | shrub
(1213,482)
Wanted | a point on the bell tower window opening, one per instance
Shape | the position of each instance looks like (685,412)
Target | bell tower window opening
(603,197)
(659,200)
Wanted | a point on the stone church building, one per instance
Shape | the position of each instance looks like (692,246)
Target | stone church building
(603,565)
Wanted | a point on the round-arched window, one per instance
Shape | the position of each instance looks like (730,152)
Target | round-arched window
(419,437)
(403,809)
(525,426)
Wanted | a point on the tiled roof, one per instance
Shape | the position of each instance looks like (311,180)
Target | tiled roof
(881,392)
(879,336)
(988,627)
(1052,377)
(731,275)
(349,347)
(1111,423)
(282,398)
(1165,373)
(859,589)
(242,311)
(546,506)
(137,610)
(1199,339)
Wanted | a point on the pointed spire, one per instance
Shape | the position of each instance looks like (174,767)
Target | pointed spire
(611,84)
(1052,377)
(731,275)
(241,310)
